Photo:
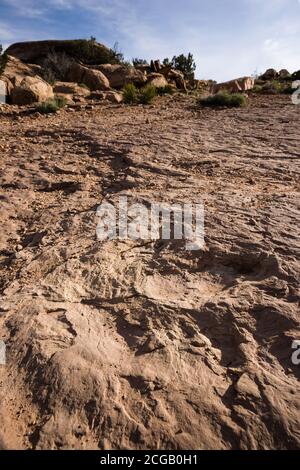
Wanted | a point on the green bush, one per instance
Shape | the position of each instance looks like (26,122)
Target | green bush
(61,101)
(257,89)
(165,90)
(87,51)
(274,87)
(183,63)
(289,90)
(49,76)
(136,62)
(83,85)
(47,107)
(224,99)
(147,94)
(278,86)
(52,105)
(3,62)
(130,94)
(90,52)
(55,66)
(143,96)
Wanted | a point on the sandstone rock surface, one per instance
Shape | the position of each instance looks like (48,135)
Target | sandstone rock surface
(235,86)
(142,344)
(15,71)
(36,51)
(157,80)
(71,89)
(120,75)
(284,73)
(93,79)
(270,74)
(31,90)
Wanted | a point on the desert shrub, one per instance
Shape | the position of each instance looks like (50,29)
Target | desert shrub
(147,94)
(143,96)
(52,105)
(289,90)
(49,106)
(56,66)
(130,94)
(278,86)
(285,80)
(117,56)
(224,99)
(83,85)
(274,87)
(49,76)
(165,90)
(3,60)
(87,51)
(90,52)
(136,62)
(257,89)
(61,101)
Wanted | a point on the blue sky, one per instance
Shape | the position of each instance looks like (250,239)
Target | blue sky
(229,38)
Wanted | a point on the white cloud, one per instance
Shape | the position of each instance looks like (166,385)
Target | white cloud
(27,8)
(5,32)
(270,45)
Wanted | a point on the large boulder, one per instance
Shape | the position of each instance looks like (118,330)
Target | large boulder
(284,74)
(238,85)
(246,83)
(14,73)
(155,66)
(121,75)
(175,76)
(31,90)
(201,84)
(23,84)
(232,87)
(69,88)
(113,97)
(72,92)
(15,67)
(92,78)
(270,74)
(157,80)
(88,52)
(145,68)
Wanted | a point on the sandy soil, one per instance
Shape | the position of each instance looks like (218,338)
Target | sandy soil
(146,345)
